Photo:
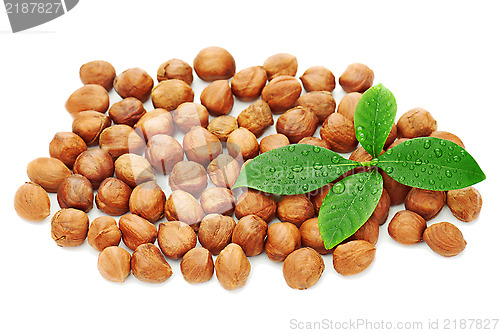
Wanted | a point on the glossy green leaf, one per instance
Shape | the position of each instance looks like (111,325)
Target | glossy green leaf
(432,164)
(294,169)
(374,117)
(348,205)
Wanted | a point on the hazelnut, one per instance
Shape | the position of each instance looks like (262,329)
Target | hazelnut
(407,227)
(217,98)
(66,146)
(158,121)
(393,135)
(121,139)
(353,257)
(318,78)
(182,206)
(48,172)
(224,170)
(163,152)
(398,141)
(356,77)
(253,202)
(311,140)
(303,268)
(104,232)
(113,196)
(425,203)
(318,196)
(416,123)
(89,97)
(338,132)
(69,227)
(321,103)
(232,267)
(214,63)
(397,191)
(381,211)
(222,127)
(175,238)
(218,200)
(295,209)
(98,72)
(273,141)
(311,237)
(282,239)
(250,233)
(188,115)
(369,232)
(197,265)
(242,141)
(95,165)
(89,125)
(170,94)
(149,265)
(360,155)
(134,169)
(215,232)
(201,146)
(188,176)
(114,264)
(76,192)
(134,82)
(136,230)
(256,118)
(148,201)
(297,123)
(445,239)
(175,69)
(348,103)
(247,84)
(280,64)
(31,202)
(447,136)
(127,111)
(281,93)
(465,204)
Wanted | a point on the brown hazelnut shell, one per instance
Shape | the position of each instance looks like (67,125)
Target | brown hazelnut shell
(98,72)
(465,204)
(76,192)
(215,232)
(136,230)
(218,200)
(282,239)
(69,227)
(303,268)
(281,93)
(163,152)
(318,78)
(188,176)
(248,83)
(66,146)
(95,165)
(353,257)
(128,111)
(148,201)
(445,239)
(48,172)
(295,209)
(224,170)
(134,169)
(339,133)
(170,94)
(357,77)
(134,82)
(425,203)
(89,125)
(232,267)
(114,264)
(280,64)
(197,265)
(217,98)
(273,141)
(256,118)
(214,63)
(321,103)
(117,140)
(113,197)
(188,115)
(182,206)
(297,123)
(104,232)
(311,237)
(175,69)
(407,227)
(149,265)
(250,233)
(157,121)
(32,202)
(222,127)
(253,202)
(242,142)
(201,146)
(175,238)
(89,97)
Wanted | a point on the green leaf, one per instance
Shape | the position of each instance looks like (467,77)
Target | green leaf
(374,117)
(294,169)
(348,206)
(432,164)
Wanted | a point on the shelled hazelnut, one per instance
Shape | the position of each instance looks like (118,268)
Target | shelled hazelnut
(217,98)
(48,172)
(188,115)
(224,170)
(214,63)
(175,69)
(171,93)
(113,196)
(295,209)
(369,232)
(348,103)
(416,123)
(89,97)
(95,165)
(134,169)
(69,227)
(128,111)
(465,204)
(98,72)
(353,257)
(114,264)
(273,141)
(339,133)
(391,138)
(218,200)
(222,127)
(253,202)
(407,227)
(282,239)
(232,267)
(117,140)
(321,103)
(318,78)
(182,206)
(318,196)
(242,142)
(31,202)
(357,77)
(250,233)
(311,140)
(381,212)
(76,192)
(311,237)
(445,239)
(149,265)
(134,82)
(104,232)
(148,201)
(247,84)
(425,203)
(197,265)
(256,118)
(303,268)
(157,121)
(280,64)
(447,136)
(136,230)
(175,239)
(396,191)
(215,232)
(66,146)
(163,152)
(89,125)
(188,176)
(281,93)
(201,146)
(297,123)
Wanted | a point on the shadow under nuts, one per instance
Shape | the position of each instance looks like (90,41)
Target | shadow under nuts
(48,172)
(197,265)
(113,197)
(148,201)
(297,123)
(232,267)
(136,230)
(353,257)
(215,232)
(69,227)
(254,202)
(282,239)
(250,233)
(76,192)
(31,202)
(104,232)
(175,238)
(303,268)
(445,239)
(149,265)
(114,264)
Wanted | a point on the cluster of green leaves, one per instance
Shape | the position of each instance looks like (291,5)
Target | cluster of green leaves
(427,163)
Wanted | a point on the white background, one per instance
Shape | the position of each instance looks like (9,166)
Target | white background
(442,56)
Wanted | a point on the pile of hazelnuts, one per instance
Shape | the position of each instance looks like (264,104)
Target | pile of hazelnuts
(132,147)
